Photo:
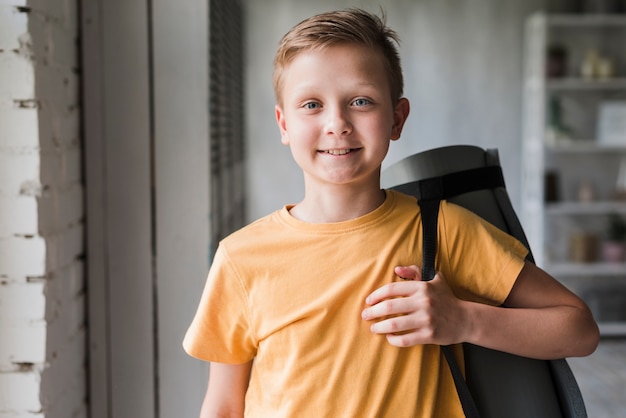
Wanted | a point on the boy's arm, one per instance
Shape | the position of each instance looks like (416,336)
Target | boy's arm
(225,395)
(541,318)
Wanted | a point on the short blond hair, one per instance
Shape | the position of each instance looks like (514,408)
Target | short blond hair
(353,26)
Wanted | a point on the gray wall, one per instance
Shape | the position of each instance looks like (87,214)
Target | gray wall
(146,127)
(463,75)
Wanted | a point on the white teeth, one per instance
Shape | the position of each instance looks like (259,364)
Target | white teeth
(338,151)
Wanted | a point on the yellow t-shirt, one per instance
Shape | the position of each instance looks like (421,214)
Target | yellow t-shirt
(289,295)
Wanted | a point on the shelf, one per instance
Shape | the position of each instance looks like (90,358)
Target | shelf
(581,159)
(586,20)
(582,84)
(586,208)
(586,269)
(612,329)
(584,146)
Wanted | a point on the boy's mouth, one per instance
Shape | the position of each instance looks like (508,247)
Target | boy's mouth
(338,151)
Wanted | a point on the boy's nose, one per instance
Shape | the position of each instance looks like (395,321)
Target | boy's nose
(338,123)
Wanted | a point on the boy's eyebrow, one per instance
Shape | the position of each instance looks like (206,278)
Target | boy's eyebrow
(305,87)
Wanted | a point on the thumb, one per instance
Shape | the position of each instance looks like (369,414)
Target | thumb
(409,272)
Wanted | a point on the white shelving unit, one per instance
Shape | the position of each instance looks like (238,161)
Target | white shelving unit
(574,158)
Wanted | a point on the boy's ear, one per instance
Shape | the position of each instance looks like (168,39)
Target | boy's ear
(282,125)
(400,114)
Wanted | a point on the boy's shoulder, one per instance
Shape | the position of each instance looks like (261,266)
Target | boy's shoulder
(258,226)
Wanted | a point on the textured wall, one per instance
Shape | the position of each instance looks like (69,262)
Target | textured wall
(42,354)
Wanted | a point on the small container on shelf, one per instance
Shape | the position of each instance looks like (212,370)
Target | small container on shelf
(556,61)
(605,68)
(586,192)
(596,66)
(551,186)
(589,64)
(557,132)
(583,247)
(614,246)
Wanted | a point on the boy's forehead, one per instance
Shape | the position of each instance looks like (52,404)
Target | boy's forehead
(371,60)
(355,66)
(356,53)
(338,57)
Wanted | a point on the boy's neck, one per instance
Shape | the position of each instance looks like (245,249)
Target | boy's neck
(337,205)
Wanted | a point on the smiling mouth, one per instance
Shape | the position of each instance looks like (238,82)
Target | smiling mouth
(338,151)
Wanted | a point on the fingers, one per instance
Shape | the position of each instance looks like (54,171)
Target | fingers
(413,312)
(412,276)
(394,299)
(396,289)
(393,290)
(411,339)
(407,330)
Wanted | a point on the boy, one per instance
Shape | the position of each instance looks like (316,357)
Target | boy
(316,293)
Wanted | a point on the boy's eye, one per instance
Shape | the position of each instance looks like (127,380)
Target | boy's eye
(361,102)
(311,105)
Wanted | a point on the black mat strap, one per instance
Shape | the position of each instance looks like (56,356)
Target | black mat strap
(467,401)
(430,215)
(454,184)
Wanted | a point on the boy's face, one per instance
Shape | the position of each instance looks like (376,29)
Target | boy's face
(337,116)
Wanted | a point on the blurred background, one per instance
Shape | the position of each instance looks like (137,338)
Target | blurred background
(135,135)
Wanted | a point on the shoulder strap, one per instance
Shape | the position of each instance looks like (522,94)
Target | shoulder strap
(430,215)
(453,184)
(430,192)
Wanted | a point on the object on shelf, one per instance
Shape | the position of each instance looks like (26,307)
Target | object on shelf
(583,247)
(588,65)
(596,66)
(613,252)
(614,246)
(612,123)
(551,187)
(556,62)
(585,191)
(604,68)
(620,184)
(616,228)
(557,131)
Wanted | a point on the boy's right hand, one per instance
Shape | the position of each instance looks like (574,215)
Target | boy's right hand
(413,312)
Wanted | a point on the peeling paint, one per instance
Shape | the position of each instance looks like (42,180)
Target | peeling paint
(25,367)
(27,236)
(25,48)
(31,188)
(27,103)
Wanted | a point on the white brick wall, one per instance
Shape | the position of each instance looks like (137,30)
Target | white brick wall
(42,303)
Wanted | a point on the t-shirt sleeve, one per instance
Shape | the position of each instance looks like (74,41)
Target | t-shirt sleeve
(483,262)
(220,330)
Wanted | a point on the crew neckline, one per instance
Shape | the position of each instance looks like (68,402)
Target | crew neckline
(377,214)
